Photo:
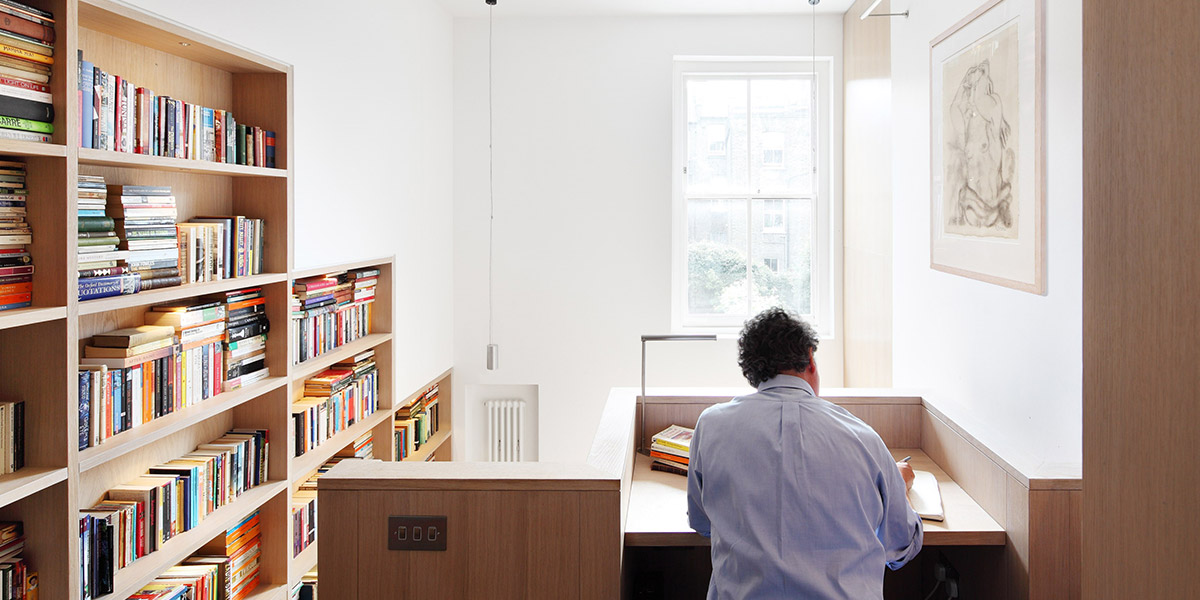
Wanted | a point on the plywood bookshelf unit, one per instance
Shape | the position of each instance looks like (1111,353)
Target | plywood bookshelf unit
(40,346)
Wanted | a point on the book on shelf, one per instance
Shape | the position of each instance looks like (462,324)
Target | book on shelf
(145,219)
(20,581)
(121,116)
(16,261)
(304,501)
(12,436)
(331,310)
(137,518)
(306,588)
(416,423)
(247,326)
(334,401)
(26,57)
(217,572)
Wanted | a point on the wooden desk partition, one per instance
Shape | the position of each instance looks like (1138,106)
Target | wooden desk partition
(514,531)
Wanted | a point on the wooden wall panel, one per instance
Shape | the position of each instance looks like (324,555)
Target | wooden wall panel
(867,197)
(1141,313)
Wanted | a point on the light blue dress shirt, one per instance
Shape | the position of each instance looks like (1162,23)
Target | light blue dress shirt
(801,498)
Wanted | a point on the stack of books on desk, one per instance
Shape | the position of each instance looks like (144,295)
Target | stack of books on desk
(671,450)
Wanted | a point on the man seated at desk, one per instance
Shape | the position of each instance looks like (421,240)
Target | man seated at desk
(801,498)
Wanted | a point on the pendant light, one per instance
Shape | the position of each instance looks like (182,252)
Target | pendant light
(493,350)
(812,106)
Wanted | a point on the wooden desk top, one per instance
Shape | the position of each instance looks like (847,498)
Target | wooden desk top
(658,510)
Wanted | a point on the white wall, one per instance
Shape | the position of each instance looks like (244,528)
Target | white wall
(1006,365)
(373,156)
(583,205)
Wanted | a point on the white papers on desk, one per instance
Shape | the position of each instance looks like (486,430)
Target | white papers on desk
(926,497)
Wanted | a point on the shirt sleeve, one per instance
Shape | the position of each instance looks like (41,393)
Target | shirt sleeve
(901,531)
(697,518)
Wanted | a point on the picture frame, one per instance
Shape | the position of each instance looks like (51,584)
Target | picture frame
(987,150)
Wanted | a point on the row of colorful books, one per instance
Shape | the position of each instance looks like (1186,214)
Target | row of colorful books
(184,355)
(330,311)
(118,115)
(225,569)
(16,263)
(416,423)
(671,450)
(304,501)
(136,518)
(306,588)
(335,400)
(26,61)
(18,580)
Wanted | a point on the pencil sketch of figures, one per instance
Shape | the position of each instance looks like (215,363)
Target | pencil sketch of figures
(980,124)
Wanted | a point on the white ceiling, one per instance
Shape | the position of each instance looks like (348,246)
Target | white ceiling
(546,8)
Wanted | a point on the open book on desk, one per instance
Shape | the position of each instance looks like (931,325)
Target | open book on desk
(926,497)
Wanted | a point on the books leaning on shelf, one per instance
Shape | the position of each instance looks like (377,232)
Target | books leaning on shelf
(330,311)
(12,436)
(26,59)
(129,377)
(335,400)
(671,449)
(19,579)
(226,569)
(119,116)
(216,248)
(139,517)
(16,263)
(416,423)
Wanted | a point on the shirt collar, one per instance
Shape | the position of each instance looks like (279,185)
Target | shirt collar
(786,381)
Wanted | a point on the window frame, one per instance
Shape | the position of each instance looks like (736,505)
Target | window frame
(825,259)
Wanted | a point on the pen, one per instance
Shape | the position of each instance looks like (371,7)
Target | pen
(906,458)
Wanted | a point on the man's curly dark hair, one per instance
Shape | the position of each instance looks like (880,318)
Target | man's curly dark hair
(773,342)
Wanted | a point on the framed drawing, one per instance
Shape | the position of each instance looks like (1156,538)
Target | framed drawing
(987,186)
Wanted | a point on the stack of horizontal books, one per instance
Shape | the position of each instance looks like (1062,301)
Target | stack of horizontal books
(20,581)
(16,263)
(671,450)
(26,58)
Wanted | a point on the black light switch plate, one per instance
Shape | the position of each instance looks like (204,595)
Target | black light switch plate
(420,534)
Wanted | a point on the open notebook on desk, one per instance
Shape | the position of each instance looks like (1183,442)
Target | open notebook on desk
(926,497)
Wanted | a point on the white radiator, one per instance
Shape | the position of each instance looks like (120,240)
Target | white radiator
(505,430)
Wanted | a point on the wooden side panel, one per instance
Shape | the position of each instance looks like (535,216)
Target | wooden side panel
(337,529)
(600,544)
(1141,274)
(867,197)
(982,479)
(1016,552)
(1054,544)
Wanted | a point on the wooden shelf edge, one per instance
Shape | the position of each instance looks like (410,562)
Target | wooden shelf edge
(358,264)
(29,316)
(421,390)
(130,579)
(317,364)
(109,158)
(429,447)
(302,563)
(23,148)
(28,481)
(89,307)
(305,464)
(269,591)
(159,428)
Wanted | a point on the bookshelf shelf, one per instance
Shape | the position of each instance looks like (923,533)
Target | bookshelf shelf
(303,563)
(133,577)
(138,437)
(106,158)
(102,305)
(305,464)
(29,316)
(429,448)
(268,592)
(27,482)
(359,264)
(23,148)
(317,364)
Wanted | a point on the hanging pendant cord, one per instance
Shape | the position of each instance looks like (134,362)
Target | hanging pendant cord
(813,102)
(491,179)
